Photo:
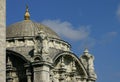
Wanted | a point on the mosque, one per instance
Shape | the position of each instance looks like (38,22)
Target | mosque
(35,53)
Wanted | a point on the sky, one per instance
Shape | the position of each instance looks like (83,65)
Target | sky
(92,24)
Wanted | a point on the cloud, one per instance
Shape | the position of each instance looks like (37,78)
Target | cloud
(80,34)
(91,42)
(118,12)
(67,30)
(108,37)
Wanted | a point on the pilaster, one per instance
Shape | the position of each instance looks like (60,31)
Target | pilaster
(2,40)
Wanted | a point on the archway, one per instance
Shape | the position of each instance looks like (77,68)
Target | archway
(15,70)
(68,67)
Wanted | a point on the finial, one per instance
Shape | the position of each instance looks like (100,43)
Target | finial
(73,65)
(62,62)
(86,52)
(27,14)
(9,63)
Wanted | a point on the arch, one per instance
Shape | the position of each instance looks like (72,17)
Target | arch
(37,58)
(73,56)
(15,66)
(17,54)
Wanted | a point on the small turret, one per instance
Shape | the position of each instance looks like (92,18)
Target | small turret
(88,62)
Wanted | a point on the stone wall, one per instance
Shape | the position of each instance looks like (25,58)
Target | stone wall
(2,40)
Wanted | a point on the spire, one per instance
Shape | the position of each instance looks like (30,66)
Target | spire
(27,14)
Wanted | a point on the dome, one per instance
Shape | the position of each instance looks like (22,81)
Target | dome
(28,28)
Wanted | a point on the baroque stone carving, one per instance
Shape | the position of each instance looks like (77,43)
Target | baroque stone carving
(44,39)
(38,46)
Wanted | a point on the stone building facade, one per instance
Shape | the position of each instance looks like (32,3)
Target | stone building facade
(35,53)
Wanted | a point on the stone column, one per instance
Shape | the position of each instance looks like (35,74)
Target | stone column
(28,76)
(2,40)
(28,72)
(41,72)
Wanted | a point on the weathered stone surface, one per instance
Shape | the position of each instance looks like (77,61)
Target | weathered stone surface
(2,40)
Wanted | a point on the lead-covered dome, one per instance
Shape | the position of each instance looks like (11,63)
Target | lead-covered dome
(28,28)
